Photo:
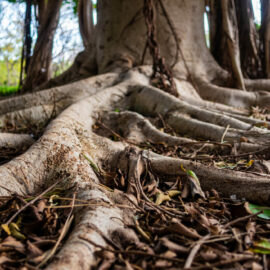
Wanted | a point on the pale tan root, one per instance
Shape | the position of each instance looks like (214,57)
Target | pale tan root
(62,95)
(251,186)
(233,97)
(147,100)
(34,118)
(137,129)
(258,85)
(228,23)
(63,152)
(186,93)
(69,150)
(92,223)
(15,141)
(193,121)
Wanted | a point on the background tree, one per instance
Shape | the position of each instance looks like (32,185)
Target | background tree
(39,68)
(124,101)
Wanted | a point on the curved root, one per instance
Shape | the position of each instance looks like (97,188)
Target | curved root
(250,186)
(70,151)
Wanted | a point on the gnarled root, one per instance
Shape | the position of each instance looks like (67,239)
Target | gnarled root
(69,151)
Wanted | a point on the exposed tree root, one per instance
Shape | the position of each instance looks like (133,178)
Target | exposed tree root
(137,130)
(63,95)
(9,140)
(244,185)
(229,96)
(258,85)
(69,150)
(96,224)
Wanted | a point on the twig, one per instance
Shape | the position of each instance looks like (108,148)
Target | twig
(61,236)
(31,202)
(132,252)
(149,202)
(194,251)
(214,265)
(91,204)
(135,205)
(242,219)
(224,134)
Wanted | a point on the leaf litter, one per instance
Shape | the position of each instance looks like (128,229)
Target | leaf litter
(32,228)
(179,225)
(182,227)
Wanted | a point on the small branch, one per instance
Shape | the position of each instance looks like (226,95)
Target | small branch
(131,252)
(62,235)
(31,202)
(242,219)
(224,134)
(194,251)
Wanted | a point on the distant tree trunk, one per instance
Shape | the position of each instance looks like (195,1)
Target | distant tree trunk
(218,45)
(229,23)
(86,25)
(248,39)
(224,39)
(85,63)
(265,36)
(39,70)
(28,36)
(27,41)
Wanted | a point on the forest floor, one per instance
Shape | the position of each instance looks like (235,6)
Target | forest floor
(180,226)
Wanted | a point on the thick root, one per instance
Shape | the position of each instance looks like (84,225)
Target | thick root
(250,186)
(15,141)
(63,95)
(233,97)
(94,226)
(193,121)
(258,85)
(70,152)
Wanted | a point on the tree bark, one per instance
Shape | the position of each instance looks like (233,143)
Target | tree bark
(231,30)
(86,24)
(248,40)
(265,35)
(39,70)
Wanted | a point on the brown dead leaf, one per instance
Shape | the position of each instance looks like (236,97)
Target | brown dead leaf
(4,259)
(177,227)
(173,246)
(33,250)
(11,243)
(208,254)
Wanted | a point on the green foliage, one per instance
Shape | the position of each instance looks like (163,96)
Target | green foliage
(7,90)
(261,247)
(15,1)
(253,208)
(257,26)
(13,74)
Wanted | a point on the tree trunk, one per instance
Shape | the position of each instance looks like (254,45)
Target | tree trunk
(265,35)
(89,132)
(248,40)
(39,70)
(86,24)
(85,63)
